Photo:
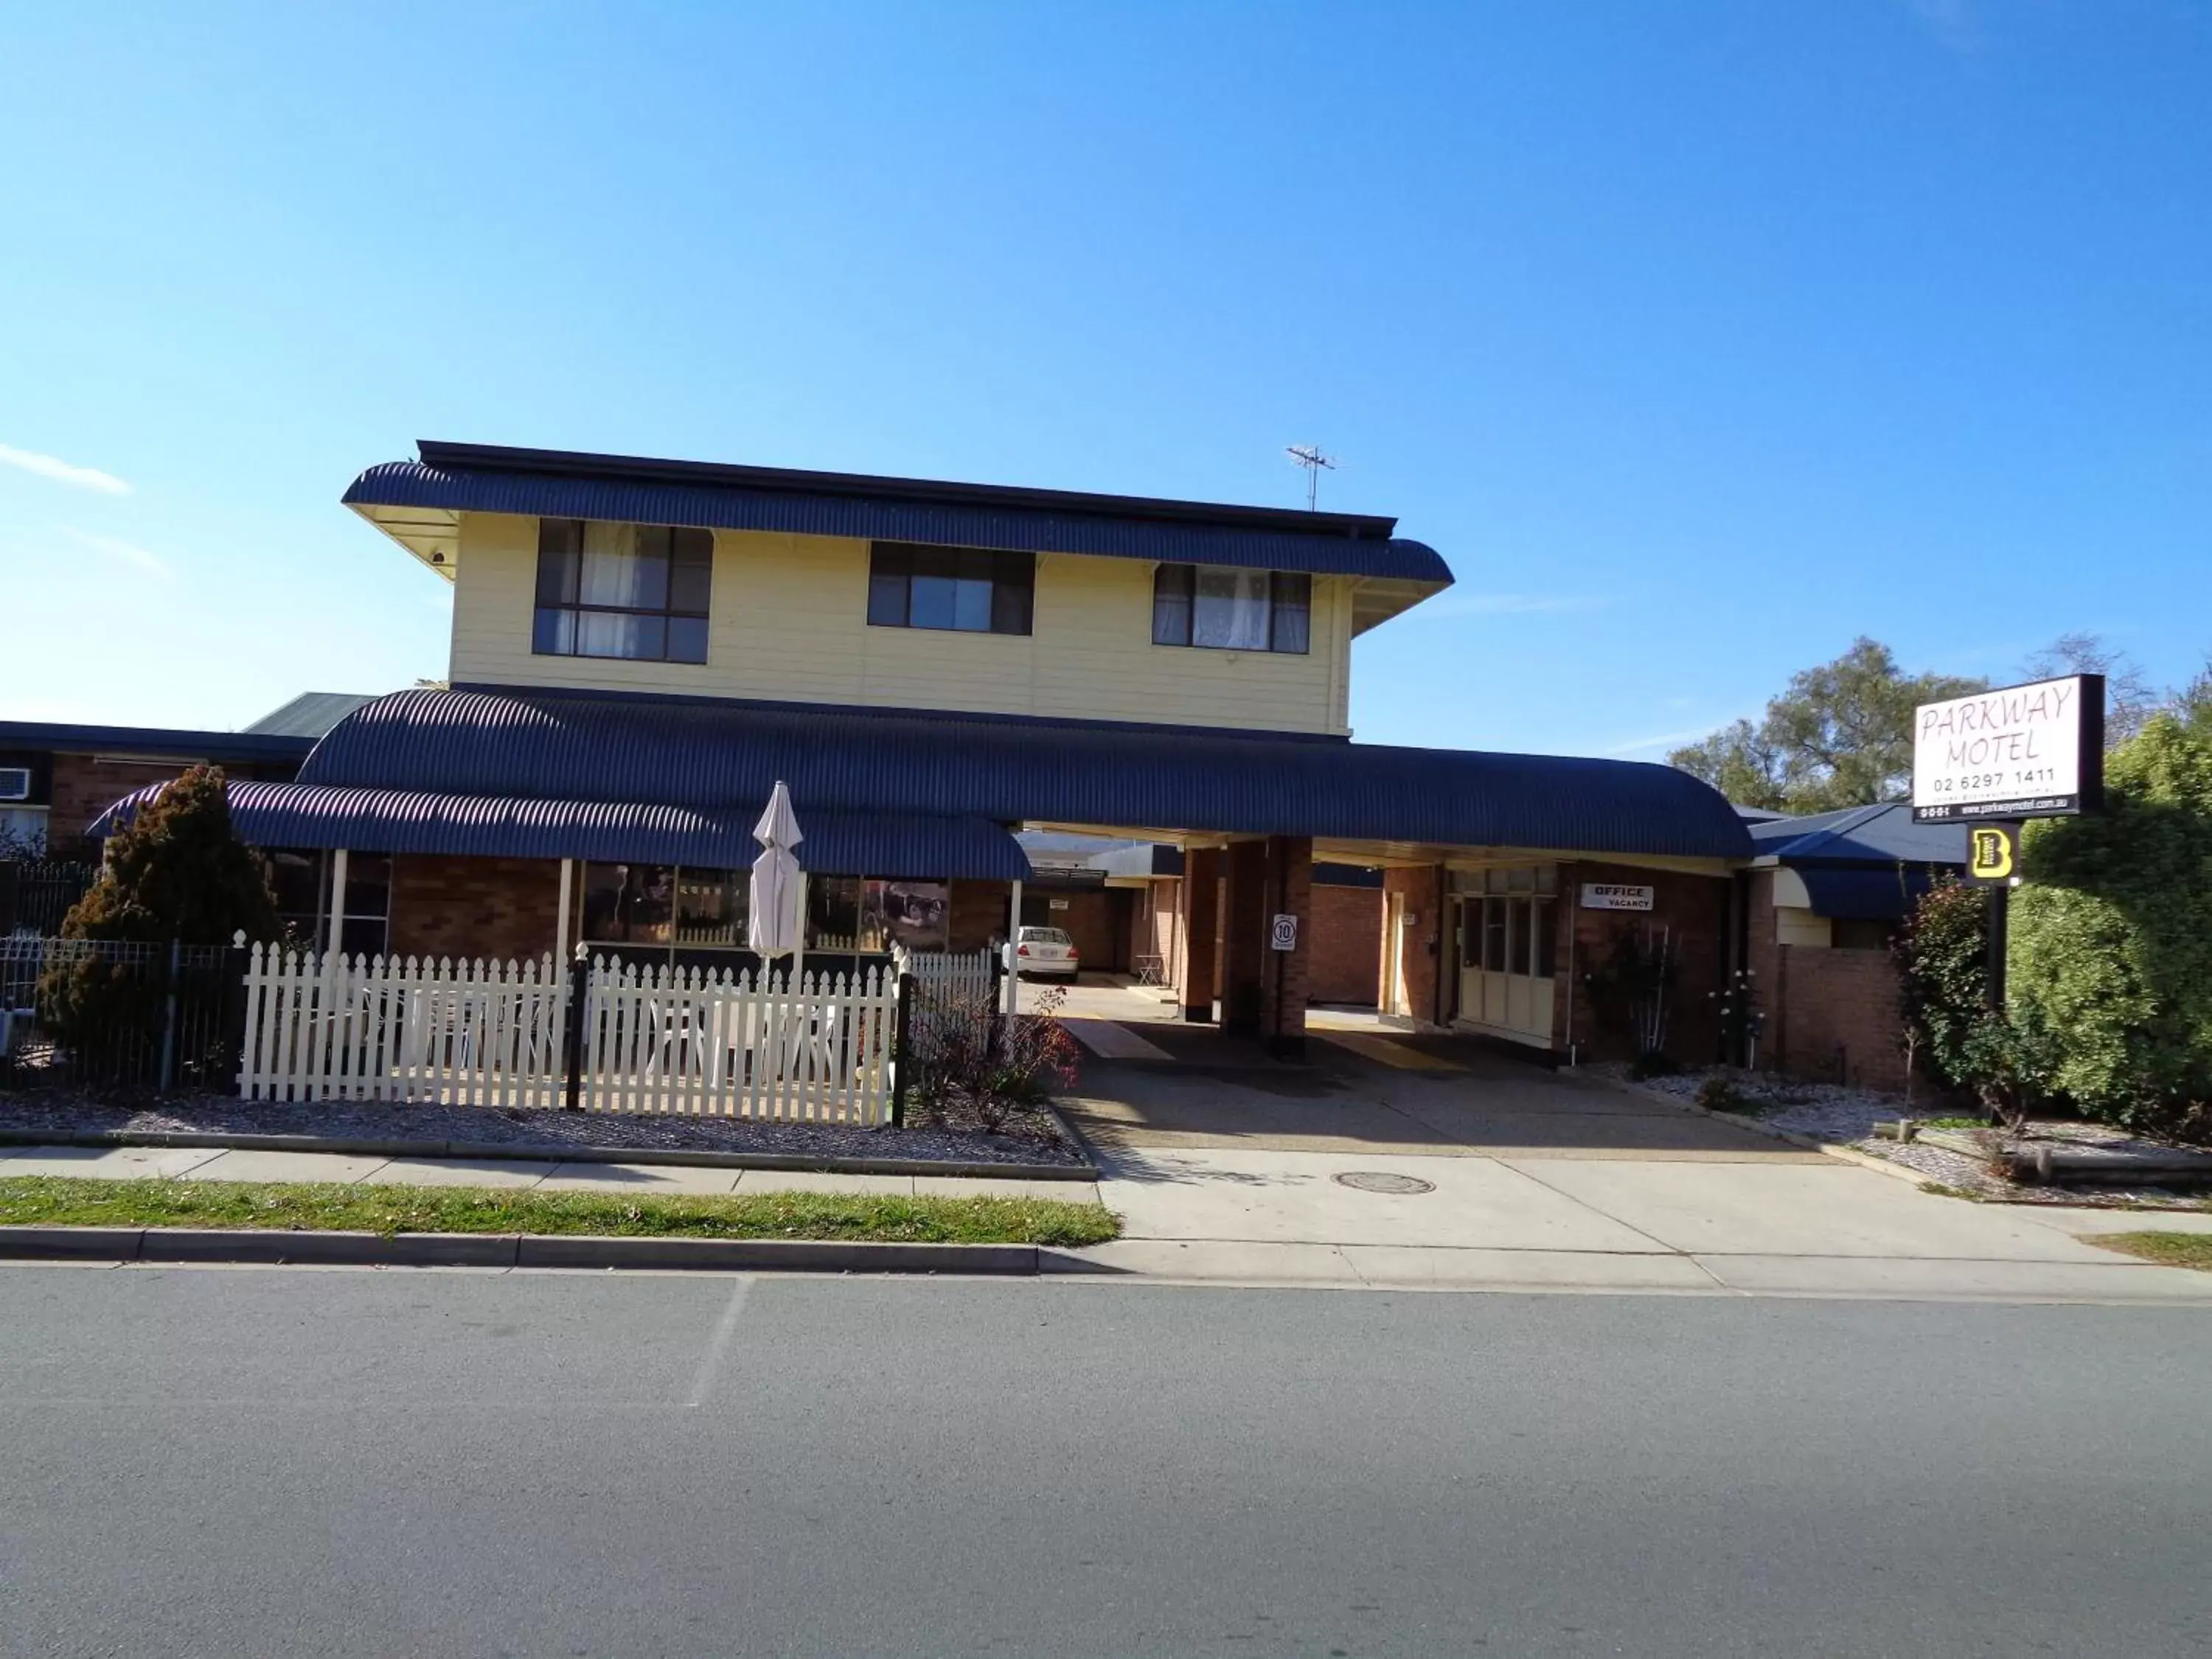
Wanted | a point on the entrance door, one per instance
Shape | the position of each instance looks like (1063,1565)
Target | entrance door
(1506,964)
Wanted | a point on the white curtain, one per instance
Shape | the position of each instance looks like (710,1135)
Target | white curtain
(1231,608)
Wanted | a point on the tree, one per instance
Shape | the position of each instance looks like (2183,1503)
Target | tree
(2129,697)
(1942,956)
(178,872)
(2192,704)
(1841,735)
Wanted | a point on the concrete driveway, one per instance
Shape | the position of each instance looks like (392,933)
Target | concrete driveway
(1497,1173)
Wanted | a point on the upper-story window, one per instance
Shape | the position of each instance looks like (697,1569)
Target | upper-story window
(968,589)
(1230,608)
(637,591)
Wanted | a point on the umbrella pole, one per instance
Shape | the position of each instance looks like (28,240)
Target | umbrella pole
(798,944)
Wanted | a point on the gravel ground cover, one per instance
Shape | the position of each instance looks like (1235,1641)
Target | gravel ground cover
(1029,1137)
(1839,1115)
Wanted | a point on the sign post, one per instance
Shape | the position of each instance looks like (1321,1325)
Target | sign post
(1995,758)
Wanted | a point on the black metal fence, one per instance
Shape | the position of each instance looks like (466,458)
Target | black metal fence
(36,894)
(103,1014)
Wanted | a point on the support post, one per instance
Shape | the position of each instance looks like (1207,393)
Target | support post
(1993,959)
(902,1047)
(571,1034)
(1013,945)
(338,902)
(168,1077)
(561,913)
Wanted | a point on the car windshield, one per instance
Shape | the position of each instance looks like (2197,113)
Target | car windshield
(1044,936)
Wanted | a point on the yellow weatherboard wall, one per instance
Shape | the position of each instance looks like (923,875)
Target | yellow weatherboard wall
(788,621)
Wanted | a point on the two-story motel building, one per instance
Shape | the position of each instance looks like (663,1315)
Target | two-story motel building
(642,648)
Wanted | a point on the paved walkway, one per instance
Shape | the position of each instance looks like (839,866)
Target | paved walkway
(200,1163)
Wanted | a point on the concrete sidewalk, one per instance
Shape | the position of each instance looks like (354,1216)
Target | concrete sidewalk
(1817,1228)
(202,1163)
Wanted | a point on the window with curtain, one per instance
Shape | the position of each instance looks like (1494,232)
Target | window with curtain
(1228,608)
(967,590)
(634,590)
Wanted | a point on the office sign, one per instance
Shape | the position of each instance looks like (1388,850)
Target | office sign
(1611,895)
(1992,854)
(2021,752)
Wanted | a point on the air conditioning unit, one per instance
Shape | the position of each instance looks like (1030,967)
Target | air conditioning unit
(14,783)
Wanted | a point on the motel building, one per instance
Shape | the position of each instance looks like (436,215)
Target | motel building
(642,649)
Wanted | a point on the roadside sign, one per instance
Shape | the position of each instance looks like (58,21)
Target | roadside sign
(1283,935)
(2021,751)
(1993,855)
(1613,896)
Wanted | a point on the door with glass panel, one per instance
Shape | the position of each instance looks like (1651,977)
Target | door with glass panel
(1508,921)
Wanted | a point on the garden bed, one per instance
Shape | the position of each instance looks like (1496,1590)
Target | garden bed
(1838,1116)
(1028,1137)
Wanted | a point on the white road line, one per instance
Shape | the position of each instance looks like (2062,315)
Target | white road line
(711,1361)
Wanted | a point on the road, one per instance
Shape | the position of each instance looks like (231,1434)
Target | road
(243,1461)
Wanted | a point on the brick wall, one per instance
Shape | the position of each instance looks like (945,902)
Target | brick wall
(978,914)
(1286,976)
(1347,943)
(465,907)
(84,787)
(1830,1014)
(1420,891)
(1693,910)
(1094,920)
(1154,928)
(1201,931)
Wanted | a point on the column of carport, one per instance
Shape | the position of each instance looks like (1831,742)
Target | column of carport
(1247,886)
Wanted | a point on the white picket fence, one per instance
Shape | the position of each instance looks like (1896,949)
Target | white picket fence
(945,978)
(320,1027)
(655,1039)
(727,1044)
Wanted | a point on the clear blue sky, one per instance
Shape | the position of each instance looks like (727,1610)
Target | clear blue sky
(1699,338)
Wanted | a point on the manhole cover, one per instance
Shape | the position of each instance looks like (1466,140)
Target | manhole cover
(1378,1180)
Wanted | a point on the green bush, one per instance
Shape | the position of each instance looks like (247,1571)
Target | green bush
(1942,956)
(2111,936)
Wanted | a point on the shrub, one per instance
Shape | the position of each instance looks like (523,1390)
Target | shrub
(1940,954)
(2111,936)
(1719,1093)
(966,1057)
(176,872)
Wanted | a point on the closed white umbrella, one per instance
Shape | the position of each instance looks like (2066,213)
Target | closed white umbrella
(776,923)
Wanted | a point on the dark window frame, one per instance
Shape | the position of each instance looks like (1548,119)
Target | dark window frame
(686,594)
(1290,610)
(894,567)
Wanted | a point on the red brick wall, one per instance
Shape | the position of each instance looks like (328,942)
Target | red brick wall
(1843,1018)
(1422,891)
(1201,931)
(462,907)
(85,787)
(1830,1014)
(1694,912)
(1286,976)
(978,914)
(1154,929)
(1347,943)
(1093,919)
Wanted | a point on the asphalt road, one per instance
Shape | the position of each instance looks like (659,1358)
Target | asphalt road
(284,1461)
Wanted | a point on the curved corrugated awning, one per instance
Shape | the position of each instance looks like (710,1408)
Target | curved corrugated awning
(714,756)
(408,820)
(1866,893)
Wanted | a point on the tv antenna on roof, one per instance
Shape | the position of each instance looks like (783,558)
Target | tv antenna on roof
(1309,457)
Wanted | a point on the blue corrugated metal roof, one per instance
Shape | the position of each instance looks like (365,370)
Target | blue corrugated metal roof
(1881,834)
(551,484)
(711,755)
(271,748)
(405,821)
(309,714)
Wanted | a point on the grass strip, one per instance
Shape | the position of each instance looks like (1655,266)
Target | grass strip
(308,1206)
(2169,1250)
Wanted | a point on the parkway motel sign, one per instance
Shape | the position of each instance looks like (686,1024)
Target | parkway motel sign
(2021,752)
